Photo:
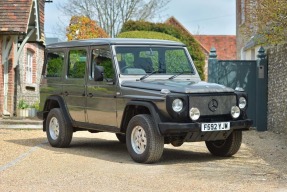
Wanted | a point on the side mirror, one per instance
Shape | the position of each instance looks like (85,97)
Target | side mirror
(99,73)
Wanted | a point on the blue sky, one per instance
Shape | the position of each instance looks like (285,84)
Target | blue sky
(198,16)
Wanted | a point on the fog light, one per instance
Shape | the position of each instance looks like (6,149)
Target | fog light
(242,102)
(177,105)
(235,112)
(194,114)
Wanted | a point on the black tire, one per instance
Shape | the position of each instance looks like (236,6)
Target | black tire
(121,138)
(152,143)
(59,131)
(225,148)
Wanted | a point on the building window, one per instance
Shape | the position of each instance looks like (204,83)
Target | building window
(29,67)
(242,11)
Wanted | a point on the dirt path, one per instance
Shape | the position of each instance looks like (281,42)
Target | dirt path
(98,162)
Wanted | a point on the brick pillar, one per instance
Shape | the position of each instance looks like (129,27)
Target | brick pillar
(11,87)
(1,79)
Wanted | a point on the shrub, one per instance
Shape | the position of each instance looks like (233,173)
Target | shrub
(22,104)
(147,35)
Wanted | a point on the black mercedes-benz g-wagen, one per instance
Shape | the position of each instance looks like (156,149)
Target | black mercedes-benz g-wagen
(147,92)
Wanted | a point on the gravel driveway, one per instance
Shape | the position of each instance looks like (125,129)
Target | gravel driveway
(98,162)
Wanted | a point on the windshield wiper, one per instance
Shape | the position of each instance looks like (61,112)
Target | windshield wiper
(148,74)
(178,74)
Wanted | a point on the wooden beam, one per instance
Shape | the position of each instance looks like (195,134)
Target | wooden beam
(22,46)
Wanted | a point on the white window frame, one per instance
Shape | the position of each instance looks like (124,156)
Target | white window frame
(29,67)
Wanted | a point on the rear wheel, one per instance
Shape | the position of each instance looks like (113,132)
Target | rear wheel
(59,131)
(144,143)
(226,148)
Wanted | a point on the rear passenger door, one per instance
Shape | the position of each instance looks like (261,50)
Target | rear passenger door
(74,84)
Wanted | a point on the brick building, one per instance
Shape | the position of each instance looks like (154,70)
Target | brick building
(247,46)
(21,52)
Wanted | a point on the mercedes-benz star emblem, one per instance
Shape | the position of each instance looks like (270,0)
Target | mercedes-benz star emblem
(213,105)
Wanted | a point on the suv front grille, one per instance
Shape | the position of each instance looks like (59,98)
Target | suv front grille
(213,105)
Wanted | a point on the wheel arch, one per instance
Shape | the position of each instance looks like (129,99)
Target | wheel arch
(139,107)
(54,102)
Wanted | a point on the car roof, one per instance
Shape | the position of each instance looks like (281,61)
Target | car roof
(113,41)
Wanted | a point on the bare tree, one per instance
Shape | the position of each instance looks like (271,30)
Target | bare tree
(111,14)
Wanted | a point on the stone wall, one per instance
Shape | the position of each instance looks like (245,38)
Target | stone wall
(277,89)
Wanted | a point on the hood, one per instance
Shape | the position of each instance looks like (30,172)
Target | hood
(178,86)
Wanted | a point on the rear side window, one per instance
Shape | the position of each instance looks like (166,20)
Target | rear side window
(77,63)
(55,64)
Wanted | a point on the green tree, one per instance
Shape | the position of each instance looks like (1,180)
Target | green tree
(82,27)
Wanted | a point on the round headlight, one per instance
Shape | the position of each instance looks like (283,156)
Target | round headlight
(235,112)
(242,102)
(177,105)
(194,114)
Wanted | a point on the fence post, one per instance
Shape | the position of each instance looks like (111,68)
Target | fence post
(212,66)
(261,90)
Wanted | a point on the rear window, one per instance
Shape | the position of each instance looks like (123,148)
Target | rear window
(55,64)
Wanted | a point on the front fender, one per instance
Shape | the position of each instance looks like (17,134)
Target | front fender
(135,104)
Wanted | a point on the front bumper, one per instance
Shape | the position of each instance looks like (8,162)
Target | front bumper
(179,128)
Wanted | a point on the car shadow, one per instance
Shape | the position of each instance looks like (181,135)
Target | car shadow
(114,151)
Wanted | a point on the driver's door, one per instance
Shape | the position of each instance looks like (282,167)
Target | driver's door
(101,100)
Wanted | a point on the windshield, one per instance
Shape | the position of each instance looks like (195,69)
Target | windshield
(140,60)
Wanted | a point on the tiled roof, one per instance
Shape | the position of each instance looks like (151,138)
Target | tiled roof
(14,15)
(42,18)
(225,45)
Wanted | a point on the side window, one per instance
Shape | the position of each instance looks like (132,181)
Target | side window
(77,63)
(101,58)
(55,63)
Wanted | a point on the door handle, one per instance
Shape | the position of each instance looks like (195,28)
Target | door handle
(90,95)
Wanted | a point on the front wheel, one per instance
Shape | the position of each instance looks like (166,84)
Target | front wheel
(59,131)
(225,148)
(144,143)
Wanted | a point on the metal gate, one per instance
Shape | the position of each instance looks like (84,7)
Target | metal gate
(251,75)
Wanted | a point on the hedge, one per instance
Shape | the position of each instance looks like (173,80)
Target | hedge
(147,35)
